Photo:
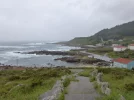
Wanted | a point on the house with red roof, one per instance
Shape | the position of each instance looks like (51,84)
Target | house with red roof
(119,48)
(123,63)
(131,46)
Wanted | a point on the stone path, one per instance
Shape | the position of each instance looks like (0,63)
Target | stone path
(82,90)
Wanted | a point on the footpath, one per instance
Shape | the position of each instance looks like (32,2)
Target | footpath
(81,90)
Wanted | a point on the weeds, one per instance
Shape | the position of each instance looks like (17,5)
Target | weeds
(28,84)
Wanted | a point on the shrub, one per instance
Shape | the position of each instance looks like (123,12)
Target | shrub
(129,87)
(35,82)
(92,79)
(66,82)
(104,70)
(12,78)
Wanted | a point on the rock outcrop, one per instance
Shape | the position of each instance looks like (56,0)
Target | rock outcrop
(45,52)
(76,59)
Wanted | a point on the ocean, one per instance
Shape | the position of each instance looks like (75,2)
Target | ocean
(8,55)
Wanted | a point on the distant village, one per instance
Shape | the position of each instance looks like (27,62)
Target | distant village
(117,47)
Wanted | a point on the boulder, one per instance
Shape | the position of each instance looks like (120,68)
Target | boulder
(108,91)
(104,86)
(94,73)
(99,78)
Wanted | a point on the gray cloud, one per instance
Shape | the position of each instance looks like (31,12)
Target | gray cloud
(60,19)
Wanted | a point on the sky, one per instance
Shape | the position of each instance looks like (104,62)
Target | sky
(60,20)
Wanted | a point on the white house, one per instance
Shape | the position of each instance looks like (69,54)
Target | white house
(119,48)
(131,46)
(113,45)
(99,45)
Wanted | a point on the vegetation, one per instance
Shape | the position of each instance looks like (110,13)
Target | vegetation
(121,83)
(86,72)
(124,54)
(124,32)
(28,84)
(101,51)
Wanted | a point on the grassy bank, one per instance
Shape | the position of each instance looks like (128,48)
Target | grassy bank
(124,54)
(101,51)
(28,84)
(121,83)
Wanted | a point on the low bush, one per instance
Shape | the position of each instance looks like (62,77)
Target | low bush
(92,79)
(86,72)
(66,82)
(14,77)
(129,87)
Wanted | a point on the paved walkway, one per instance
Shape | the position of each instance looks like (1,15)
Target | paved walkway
(82,90)
(104,58)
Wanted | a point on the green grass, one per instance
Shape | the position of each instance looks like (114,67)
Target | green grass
(28,84)
(126,54)
(86,72)
(66,84)
(62,96)
(121,82)
(101,51)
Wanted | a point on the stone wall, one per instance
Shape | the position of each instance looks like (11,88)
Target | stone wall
(104,85)
(54,93)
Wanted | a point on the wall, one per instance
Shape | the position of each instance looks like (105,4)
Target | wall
(131,47)
(120,65)
(131,65)
(120,49)
(117,49)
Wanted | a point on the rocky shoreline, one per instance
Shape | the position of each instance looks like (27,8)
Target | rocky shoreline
(72,56)
(84,60)
(64,53)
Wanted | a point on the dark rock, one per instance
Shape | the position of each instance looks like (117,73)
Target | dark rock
(44,52)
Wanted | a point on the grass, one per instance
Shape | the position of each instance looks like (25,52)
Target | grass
(28,84)
(121,82)
(62,96)
(101,51)
(124,54)
(86,72)
(66,84)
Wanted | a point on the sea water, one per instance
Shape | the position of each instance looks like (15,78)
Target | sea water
(9,55)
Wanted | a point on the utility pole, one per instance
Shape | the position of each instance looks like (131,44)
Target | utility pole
(17,61)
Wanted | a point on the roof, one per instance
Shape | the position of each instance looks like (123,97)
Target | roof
(119,47)
(131,45)
(123,60)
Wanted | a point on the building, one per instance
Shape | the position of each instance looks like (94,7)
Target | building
(120,40)
(119,48)
(99,45)
(113,45)
(123,63)
(131,47)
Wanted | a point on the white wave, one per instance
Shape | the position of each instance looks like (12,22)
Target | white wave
(12,56)
(63,48)
(35,44)
(17,47)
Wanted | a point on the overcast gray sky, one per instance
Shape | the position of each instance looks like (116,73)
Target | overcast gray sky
(45,20)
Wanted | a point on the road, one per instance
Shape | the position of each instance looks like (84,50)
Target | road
(105,58)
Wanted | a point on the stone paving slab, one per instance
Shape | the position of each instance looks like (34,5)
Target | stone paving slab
(81,90)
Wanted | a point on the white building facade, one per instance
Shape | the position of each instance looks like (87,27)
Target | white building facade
(119,48)
(131,47)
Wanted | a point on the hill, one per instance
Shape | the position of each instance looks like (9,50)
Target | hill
(124,32)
